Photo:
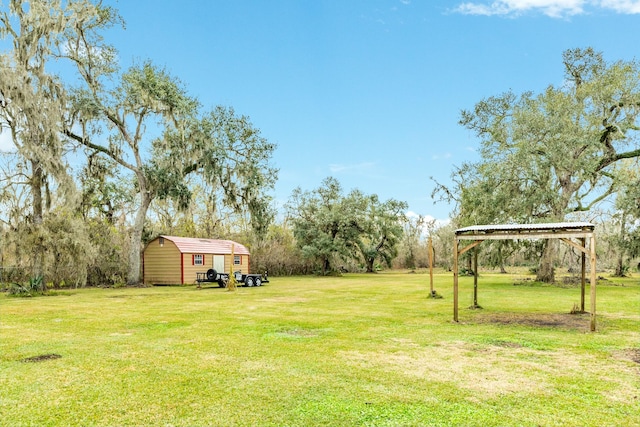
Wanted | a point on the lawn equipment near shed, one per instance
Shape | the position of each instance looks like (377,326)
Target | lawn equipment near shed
(222,279)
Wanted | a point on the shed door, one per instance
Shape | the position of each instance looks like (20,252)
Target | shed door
(218,263)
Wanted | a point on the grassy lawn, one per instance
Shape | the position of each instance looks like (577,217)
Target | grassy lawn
(356,350)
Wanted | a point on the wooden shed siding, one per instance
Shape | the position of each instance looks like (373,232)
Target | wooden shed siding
(161,264)
(190,270)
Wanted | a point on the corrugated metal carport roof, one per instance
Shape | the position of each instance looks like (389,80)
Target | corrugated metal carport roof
(525,231)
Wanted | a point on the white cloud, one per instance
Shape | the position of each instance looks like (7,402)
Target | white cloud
(622,6)
(551,8)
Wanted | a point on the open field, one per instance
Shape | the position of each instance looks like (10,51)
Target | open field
(309,351)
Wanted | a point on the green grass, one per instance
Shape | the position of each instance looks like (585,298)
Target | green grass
(365,350)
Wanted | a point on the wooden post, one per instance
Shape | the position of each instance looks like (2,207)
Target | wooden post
(455,279)
(430,249)
(231,286)
(593,282)
(475,277)
(583,273)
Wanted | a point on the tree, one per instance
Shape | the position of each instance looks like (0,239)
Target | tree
(322,223)
(412,239)
(223,148)
(329,226)
(547,156)
(32,100)
(146,96)
(380,229)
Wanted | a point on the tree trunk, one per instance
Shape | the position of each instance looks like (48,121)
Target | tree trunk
(38,250)
(620,261)
(501,260)
(325,266)
(546,270)
(369,262)
(619,267)
(135,238)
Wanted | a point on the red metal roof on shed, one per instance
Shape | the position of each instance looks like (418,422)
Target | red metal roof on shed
(207,246)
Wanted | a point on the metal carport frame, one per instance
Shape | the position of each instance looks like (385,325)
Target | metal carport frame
(563,231)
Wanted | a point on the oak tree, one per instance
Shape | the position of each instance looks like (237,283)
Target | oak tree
(550,155)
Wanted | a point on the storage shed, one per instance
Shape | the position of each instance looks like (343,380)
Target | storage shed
(170,260)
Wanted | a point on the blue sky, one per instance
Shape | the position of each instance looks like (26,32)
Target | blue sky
(369,92)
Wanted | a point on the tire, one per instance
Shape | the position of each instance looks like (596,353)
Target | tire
(248,281)
(212,275)
(222,283)
(258,281)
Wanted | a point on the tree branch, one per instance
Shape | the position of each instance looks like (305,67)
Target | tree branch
(100,149)
(606,161)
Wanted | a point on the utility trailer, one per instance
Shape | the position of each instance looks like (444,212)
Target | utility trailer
(222,279)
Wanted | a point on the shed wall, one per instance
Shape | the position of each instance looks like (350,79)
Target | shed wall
(161,264)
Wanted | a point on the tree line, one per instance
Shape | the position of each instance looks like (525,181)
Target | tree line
(107,159)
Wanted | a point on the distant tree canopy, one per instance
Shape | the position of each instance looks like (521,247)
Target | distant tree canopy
(547,156)
(330,226)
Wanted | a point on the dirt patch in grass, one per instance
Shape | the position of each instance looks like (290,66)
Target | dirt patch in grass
(632,354)
(506,344)
(41,358)
(547,320)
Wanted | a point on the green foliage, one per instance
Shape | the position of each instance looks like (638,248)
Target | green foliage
(228,154)
(380,230)
(628,215)
(277,253)
(63,241)
(331,227)
(322,223)
(109,268)
(32,288)
(548,155)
